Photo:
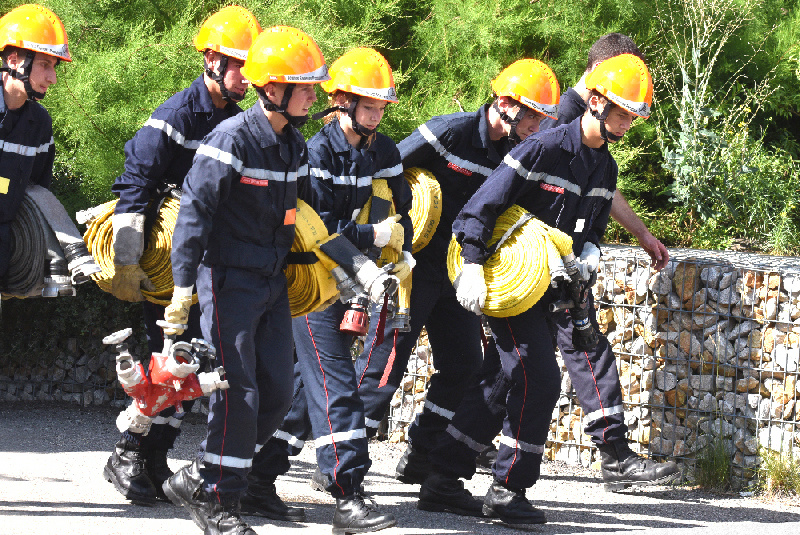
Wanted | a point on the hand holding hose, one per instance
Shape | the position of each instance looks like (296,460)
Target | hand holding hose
(389,233)
(470,287)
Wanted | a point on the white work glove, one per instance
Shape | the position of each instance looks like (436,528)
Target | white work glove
(376,281)
(177,313)
(129,279)
(389,232)
(402,269)
(470,287)
(588,261)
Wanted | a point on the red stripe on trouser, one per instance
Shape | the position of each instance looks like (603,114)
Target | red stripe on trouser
(524,398)
(224,392)
(599,399)
(366,367)
(327,405)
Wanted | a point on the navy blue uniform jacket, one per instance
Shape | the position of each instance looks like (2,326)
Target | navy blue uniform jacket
(342,175)
(456,148)
(162,150)
(553,176)
(239,198)
(26,157)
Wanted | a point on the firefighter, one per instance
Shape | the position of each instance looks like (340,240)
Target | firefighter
(32,43)
(234,230)
(157,160)
(573,104)
(566,178)
(461,150)
(593,373)
(344,158)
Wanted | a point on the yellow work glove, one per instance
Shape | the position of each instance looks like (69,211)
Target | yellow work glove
(402,269)
(389,233)
(177,313)
(128,283)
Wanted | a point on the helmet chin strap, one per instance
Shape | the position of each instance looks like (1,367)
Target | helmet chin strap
(24,76)
(513,136)
(350,110)
(219,77)
(604,133)
(295,120)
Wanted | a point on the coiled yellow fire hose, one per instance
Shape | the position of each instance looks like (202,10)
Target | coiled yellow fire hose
(155,261)
(518,273)
(426,207)
(380,189)
(311,286)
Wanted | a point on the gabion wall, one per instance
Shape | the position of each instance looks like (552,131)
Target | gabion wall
(708,348)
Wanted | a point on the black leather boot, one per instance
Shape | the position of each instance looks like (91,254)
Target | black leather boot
(622,468)
(511,507)
(485,460)
(185,489)
(155,462)
(355,514)
(319,481)
(224,517)
(443,494)
(261,499)
(413,467)
(126,470)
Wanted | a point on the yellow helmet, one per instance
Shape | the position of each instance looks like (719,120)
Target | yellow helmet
(364,72)
(532,83)
(230,31)
(34,28)
(285,55)
(625,81)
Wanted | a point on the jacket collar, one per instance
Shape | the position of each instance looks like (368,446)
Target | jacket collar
(339,144)
(480,136)
(200,99)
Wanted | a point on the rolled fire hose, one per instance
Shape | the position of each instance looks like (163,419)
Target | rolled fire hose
(380,189)
(426,207)
(311,285)
(155,261)
(47,246)
(518,272)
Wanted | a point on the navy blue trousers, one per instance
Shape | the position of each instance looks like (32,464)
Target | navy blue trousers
(529,387)
(454,335)
(246,317)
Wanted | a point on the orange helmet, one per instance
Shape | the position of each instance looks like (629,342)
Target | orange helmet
(230,31)
(364,72)
(532,83)
(625,81)
(285,55)
(34,28)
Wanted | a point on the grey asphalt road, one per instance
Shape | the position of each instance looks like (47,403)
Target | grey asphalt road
(51,460)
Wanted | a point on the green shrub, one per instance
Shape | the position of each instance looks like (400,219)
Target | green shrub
(713,465)
(778,475)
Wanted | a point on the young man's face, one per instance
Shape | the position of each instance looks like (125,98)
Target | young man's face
(233,79)
(619,121)
(43,70)
(303,96)
(529,124)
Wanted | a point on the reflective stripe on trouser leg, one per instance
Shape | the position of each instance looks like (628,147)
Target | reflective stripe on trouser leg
(246,316)
(454,334)
(529,363)
(595,380)
(372,361)
(477,420)
(334,405)
(272,459)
